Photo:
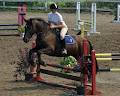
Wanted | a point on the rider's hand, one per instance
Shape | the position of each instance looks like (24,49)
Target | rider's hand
(52,26)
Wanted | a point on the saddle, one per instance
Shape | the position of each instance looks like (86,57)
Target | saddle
(68,38)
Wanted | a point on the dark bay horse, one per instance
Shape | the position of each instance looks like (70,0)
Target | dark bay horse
(47,42)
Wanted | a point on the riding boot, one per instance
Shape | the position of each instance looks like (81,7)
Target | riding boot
(64,51)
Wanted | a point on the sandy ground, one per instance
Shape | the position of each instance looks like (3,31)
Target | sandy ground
(107,41)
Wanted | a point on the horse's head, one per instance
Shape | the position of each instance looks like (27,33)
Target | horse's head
(35,25)
(28,30)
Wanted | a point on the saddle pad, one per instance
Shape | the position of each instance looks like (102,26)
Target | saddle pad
(69,39)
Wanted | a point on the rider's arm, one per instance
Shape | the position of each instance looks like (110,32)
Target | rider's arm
(60,25)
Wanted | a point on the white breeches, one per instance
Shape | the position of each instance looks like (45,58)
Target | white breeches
(63,32)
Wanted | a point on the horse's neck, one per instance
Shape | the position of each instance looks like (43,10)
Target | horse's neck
(45,35)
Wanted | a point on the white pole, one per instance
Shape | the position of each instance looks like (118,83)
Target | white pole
(46,5)
(4,4)
(78,16)
(93,18)
(118,13)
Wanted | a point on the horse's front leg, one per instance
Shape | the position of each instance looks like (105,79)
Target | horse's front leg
(40,61)
(32,60)
(32,53)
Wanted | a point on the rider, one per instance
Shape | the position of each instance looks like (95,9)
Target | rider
(55,20)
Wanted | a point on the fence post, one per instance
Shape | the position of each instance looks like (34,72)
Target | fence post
(93,72)
(85,62)
(78,16)
(93,18)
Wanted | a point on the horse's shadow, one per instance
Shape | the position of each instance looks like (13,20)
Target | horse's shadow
(25,85)
(37,86)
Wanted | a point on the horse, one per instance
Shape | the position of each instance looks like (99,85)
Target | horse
(48,42)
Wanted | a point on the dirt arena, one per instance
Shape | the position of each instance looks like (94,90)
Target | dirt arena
(108,41)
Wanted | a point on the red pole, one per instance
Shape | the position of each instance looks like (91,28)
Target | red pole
(85,62)
(93,72)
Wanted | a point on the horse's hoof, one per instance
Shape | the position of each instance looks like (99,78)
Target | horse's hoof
(38,78)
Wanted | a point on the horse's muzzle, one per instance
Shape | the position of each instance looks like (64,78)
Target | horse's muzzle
(25,40)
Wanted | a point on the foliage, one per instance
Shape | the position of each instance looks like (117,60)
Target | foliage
(70,4)
(84,4)
(41,4)
(69,61)
(21,29)
(110,5)
(61,4)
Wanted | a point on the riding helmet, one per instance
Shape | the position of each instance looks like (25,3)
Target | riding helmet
(53,6)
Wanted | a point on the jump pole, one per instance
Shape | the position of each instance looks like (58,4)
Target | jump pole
(21,15)
(109,70)
(80,23)
(118,14)
(107,59)
(93,18)
(107,54)
(78,28)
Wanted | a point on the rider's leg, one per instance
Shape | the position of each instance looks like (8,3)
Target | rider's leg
(62,36)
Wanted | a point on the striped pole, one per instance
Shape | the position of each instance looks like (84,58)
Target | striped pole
(107,59)
(107,54)
(109,70)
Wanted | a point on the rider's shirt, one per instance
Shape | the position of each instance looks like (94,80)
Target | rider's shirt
(55,18)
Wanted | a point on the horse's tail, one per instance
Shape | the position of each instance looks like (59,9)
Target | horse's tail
(91,48)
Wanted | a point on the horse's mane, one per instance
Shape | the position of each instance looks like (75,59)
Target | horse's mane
(39,19)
